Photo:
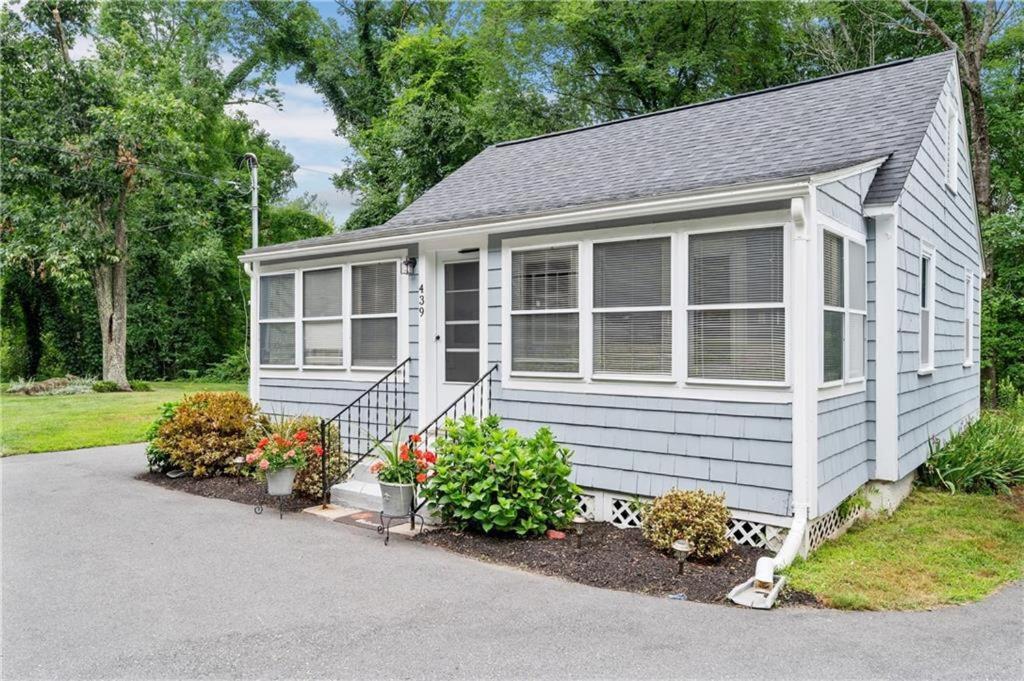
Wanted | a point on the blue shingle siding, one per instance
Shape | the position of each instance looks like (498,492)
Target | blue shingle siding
(843,199)
(934,405)
(645,446)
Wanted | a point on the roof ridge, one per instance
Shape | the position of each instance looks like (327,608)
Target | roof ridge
(742,95)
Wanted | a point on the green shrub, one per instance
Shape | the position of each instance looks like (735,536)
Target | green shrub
(492,479)
(208,430)
(308,481)
(159,460)
(234,368)
(987,456)
(105,387)
(699,517)
(140,387)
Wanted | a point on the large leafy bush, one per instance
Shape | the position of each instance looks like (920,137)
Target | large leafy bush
(208,430)
(697,516)
(493,479)
(987,456)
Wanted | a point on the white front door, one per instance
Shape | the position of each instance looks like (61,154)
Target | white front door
(457,327)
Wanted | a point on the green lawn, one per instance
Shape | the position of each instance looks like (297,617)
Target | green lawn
(936,549)
(45,423)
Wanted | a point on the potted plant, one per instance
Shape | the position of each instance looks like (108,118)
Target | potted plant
(401,466)
(279,458)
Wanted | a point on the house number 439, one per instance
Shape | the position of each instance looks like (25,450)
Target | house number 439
(422,299)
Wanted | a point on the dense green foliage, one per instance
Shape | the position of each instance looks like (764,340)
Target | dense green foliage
(987,456)
(417,88)
(492,479)
(697,516)
(159,460)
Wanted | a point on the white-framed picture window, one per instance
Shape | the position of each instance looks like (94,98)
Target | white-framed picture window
(736,311)
(632,307)
(545,315)
(277,319)
(323,326)
(374,318)
(968,319)
(844,309)
(926,334)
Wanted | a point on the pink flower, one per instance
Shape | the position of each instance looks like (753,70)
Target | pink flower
(251,456)
(376,466)
(290,454)
(264,464)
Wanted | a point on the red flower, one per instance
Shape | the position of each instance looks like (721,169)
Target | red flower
(404,456)
(263,443)
(421,478)
(301,436)
(431,457)
(318,450)
(414,438)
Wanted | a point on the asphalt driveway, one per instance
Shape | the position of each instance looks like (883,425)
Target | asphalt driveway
(106,576)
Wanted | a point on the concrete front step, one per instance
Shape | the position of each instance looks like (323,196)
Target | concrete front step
(362,491)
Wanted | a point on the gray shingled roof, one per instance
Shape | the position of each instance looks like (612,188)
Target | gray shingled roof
(786,132)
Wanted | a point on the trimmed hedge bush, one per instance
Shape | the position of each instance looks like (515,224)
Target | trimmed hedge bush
(492,479)
(208,430)
(694,515)
(105,387)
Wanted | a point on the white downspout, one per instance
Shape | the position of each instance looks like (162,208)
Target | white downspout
(761,590)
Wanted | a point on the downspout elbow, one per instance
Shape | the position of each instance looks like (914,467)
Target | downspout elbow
(761,590)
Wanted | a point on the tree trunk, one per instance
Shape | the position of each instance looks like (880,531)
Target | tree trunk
(32,315)
(110,281)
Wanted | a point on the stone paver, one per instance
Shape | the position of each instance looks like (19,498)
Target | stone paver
(106,576)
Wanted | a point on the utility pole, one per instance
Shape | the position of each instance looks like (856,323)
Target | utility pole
(254,196)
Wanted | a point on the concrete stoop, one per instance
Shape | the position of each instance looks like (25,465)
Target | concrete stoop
(361,491)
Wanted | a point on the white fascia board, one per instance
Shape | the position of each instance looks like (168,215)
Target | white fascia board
(637,209)
(849,171)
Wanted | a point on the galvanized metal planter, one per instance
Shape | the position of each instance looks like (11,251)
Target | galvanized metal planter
(280,482)
(397,498)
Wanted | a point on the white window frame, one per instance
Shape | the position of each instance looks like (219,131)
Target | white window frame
(345,371)
(784,306)
(676,385)
(345,331)
(293,320)
(847,236)
(926,365)
(379,315)
(968,318)
(594,311)
(578,310)
(952,143)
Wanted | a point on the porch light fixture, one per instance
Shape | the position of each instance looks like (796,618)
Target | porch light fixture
(409,265)
(577,525)
(682,549)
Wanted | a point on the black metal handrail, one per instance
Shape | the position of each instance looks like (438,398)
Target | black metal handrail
(355,430)
(475,401)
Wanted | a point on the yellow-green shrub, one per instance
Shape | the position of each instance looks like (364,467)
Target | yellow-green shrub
(309,480)
(208,431)
(694,515)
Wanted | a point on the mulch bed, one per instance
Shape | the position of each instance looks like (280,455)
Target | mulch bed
(611,558)
(243,490)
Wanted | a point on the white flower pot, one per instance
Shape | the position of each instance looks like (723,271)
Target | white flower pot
(279,483)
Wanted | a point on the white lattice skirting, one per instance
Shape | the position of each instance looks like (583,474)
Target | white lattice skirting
(828,526)
(625,512)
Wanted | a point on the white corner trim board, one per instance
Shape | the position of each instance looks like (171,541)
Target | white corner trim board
(886,341)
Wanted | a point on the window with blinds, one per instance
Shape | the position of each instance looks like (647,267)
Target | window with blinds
(844,311)
(277,320)
(632,282)
(322,322)
(735,306)
(545,310)
(375,314)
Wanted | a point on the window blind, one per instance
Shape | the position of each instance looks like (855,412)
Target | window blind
(277,343)
(322,343)
(743,266)
(545,279)
(546,342)
(321,293)
(858,277)
(832,269)
(374,288)
(737,344)
(632,274)
(375,342)
(277,296)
